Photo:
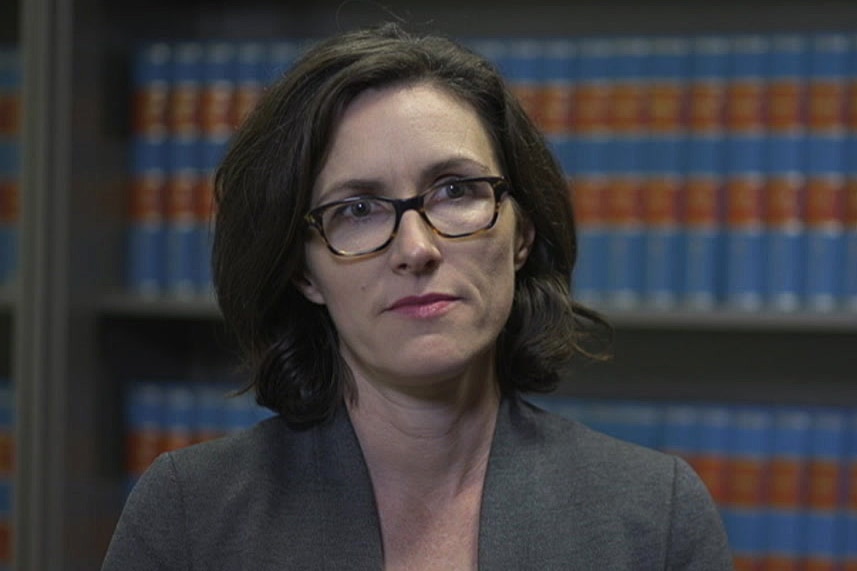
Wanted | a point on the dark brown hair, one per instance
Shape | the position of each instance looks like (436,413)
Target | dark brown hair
(263,190)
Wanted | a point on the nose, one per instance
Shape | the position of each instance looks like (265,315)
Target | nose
(415,247)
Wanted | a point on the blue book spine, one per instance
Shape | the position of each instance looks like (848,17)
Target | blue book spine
(849,293)
(212,153)
(586,164)
(179,415)
(825,524)
(251,78)
(144,405)
(560,72)
(219,86)
(281,56)
(664,155)
(704,172)
(850,516)
(182,224)
(681,431)
(9,209)
(787,481)
(745,169)
(523,67)
(625,208)
(785,173)
(826,124)
(152,87)
(210,405)
(145,250)
(745,510)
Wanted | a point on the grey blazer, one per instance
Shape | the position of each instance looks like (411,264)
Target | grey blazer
(557,496)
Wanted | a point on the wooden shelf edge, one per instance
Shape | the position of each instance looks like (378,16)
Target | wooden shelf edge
(160,307)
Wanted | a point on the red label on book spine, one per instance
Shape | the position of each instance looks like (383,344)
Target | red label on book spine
(785,105)
(823,491)
(624,204)
(181,197)
(9,201)
(784,201)
(529,96)
(786,484)
(217,102)
(826,108)
(745,111)
(185,109)
(246,97)
(151,110)
(851,206)
(556,109)
(661,201)
(591,104)
(627,110)
(712,471)
(824,201)
(706,106)
(204,201)
(702,204)
(746,483)
(141,449)
(744,196)
(147,196)
(666,107)
(10,114)
(588,200)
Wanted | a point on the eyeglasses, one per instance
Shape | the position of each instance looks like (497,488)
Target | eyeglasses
(367,224)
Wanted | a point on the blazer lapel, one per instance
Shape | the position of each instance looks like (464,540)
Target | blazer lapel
(350,525)
(512,519)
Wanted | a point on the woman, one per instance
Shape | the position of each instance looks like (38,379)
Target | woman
(392,250)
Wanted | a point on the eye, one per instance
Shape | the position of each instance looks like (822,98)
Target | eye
(360,209)
(355,209)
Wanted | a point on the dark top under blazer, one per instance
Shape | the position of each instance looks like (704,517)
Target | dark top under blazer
(557,496)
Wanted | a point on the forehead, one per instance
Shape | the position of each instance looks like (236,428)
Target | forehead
(399,131)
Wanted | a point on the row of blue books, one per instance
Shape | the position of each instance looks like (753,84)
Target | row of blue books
(785,478)
(751,210)
(165,415)
(10,171)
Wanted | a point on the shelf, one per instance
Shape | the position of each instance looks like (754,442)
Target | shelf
(131,305)
(730,319)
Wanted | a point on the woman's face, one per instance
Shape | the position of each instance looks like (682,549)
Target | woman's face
(427,309)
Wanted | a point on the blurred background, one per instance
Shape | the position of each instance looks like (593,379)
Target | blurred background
(711,156)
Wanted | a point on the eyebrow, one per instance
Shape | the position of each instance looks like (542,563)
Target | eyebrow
(375,186)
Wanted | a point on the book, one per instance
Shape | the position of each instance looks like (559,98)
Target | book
(786,129)
(825,524)
(745,171)
(704,173)
(627,124)
(785,499)
(151,86)
(145,250)
(826,125)
(744,503)
(663,185)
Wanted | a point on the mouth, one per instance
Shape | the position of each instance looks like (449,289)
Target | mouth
(423,306)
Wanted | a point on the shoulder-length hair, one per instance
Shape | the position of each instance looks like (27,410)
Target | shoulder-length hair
(263,190)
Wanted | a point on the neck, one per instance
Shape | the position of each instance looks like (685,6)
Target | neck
(415,445)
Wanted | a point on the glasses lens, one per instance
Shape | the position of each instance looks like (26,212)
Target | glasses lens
(360,225)
(458,208)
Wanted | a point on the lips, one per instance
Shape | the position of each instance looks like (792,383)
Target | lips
(423,305)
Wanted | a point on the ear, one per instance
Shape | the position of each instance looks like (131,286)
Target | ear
(306,285)
(526,235)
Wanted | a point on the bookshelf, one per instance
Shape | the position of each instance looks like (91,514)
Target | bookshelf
(74,336)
